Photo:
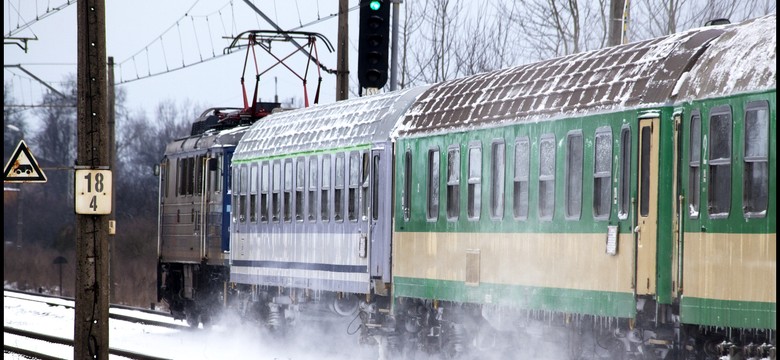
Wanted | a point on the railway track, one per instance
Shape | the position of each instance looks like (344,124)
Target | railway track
(62,341)
(34,341)
(60,301)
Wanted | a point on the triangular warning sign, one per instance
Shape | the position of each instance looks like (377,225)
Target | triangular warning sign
(22,167)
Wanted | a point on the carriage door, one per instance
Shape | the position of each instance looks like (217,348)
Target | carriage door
(647,215)
(379,214)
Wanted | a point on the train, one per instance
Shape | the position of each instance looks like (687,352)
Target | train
(622,198)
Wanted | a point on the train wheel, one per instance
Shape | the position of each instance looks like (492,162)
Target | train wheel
(205,319)
(192,320)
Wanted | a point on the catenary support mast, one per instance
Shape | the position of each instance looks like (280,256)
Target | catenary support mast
(92,287)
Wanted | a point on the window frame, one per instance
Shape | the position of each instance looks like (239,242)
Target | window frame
(253,198)
(497,179)
(275,202)
(433,184)
(313,189)
(694,181)
(713,195)
(453,182)
(265,191)
(406,196)
(546,138)
(325,210)
(474,184)
(339,187)
(624,179)
(521,143)
(299,188)
(569,166)
(750,106)
(602,131)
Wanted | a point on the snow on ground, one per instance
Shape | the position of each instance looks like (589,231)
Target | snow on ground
(229,338)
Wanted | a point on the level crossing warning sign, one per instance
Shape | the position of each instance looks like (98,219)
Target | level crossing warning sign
(22,167)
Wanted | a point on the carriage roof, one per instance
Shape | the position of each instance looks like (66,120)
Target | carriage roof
(337,125)
(206,140)
(608,79)
(743,59)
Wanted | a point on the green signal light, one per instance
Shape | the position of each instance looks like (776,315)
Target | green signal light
(374,5)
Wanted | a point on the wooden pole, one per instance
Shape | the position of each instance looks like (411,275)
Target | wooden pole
(92,287)
(342,52)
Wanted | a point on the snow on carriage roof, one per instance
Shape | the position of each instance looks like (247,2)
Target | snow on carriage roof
(743,59)
(208,139)
(607,79)
(331,126)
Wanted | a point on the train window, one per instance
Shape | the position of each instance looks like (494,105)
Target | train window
(243,185)
(433,184)
(288,190)
(264,188)
(338,189)
(694,165)
(406,199)
(236,186)
(169,176)
(602,173)
(352,191)
(181,174)
(453,182)
(573,189)
(164,171)
(364,187)
(719,195)
(181,171)
(324,188)
(198,179)
(253,193)
(497,170)
(300,185)
(211,175)
(176,179)
(546,176)
(190,175)
(375,187)
(646,134)
(625,172)
(312,213)
(218,181)
(756,172)
(475,180)
(522,168)
(276,187)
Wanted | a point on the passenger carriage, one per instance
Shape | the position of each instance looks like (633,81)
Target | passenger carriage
(558,190)
(312,195)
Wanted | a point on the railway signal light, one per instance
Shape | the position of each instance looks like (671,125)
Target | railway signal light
(373,43)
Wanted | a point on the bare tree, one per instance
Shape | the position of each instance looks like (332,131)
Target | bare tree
(14,126)
(552,28)
(141,144)
(428,53)
(658,18)
(483,42)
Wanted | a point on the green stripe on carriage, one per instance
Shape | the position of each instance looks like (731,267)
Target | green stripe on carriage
(600,303)
(728,313)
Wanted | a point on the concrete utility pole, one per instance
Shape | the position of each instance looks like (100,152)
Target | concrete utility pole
(394,48)
(342,52)
(92,287)
(616,20)
(112,164)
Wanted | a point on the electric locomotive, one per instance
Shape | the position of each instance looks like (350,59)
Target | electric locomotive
(194,213)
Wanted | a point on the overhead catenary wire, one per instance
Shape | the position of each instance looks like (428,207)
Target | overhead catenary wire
(49,11)
(122,79)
